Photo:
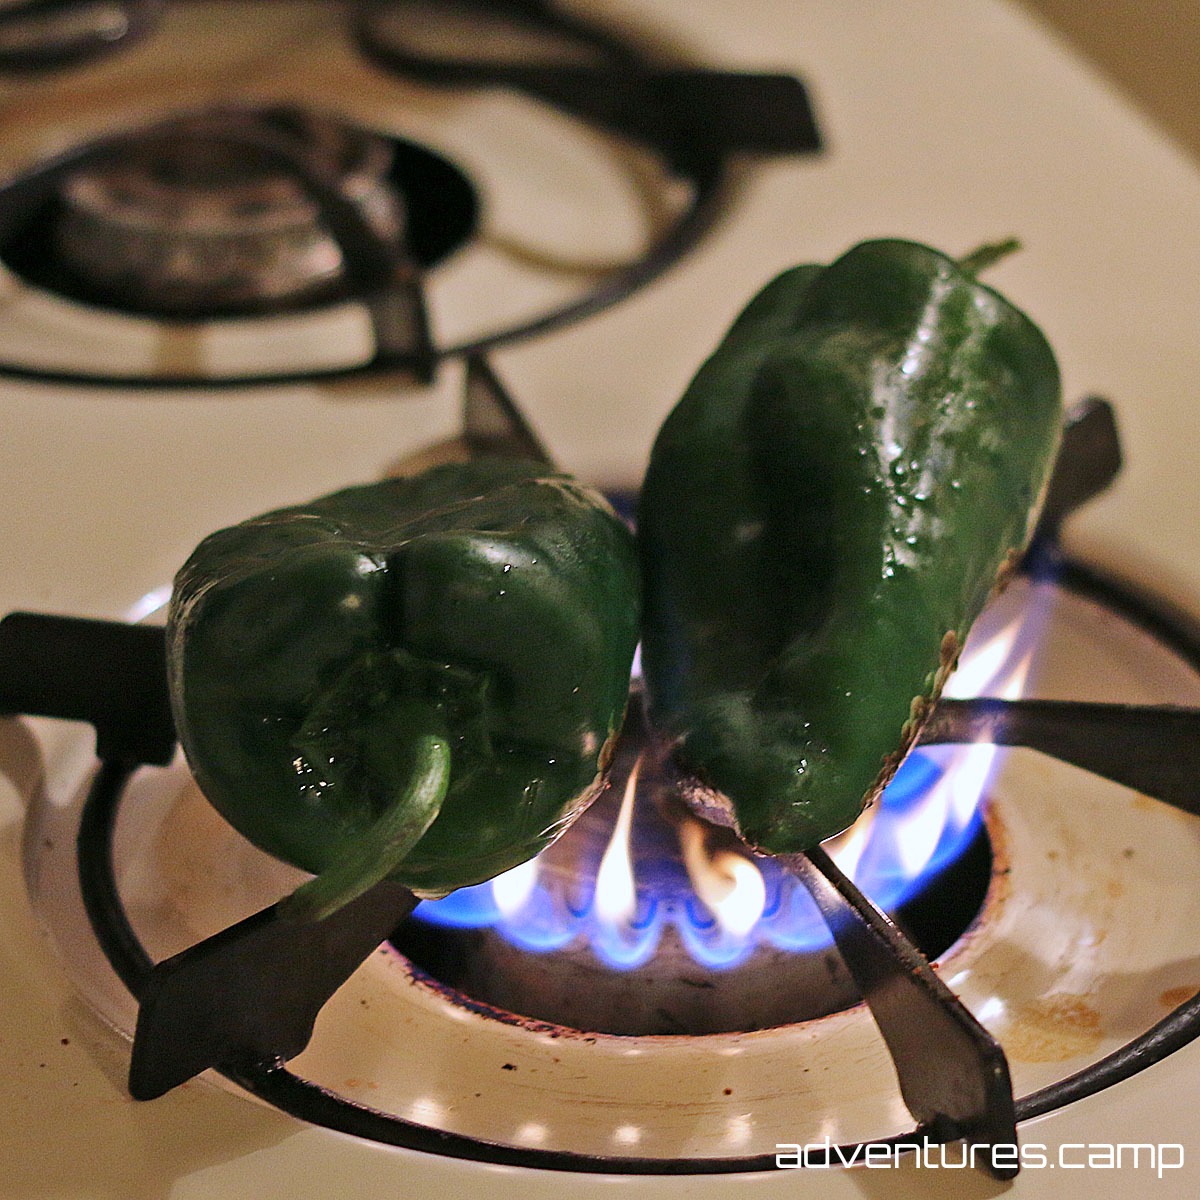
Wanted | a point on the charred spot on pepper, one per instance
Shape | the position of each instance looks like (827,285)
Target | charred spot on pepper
(1008,569)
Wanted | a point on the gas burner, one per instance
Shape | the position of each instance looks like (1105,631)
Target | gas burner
(158,871)
(646,921)
(164,888)
(195,217)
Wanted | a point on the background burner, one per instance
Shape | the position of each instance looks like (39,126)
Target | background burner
(212,214)
(184,219)
(603,163)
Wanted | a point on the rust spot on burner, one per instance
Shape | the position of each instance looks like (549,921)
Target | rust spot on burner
(1174,997)
(948,651)
(1007,569)
(1054,1029)
(918,714)
(461,1000)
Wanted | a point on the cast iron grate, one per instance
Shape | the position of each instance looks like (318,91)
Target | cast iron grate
(244,1001)
(696,122)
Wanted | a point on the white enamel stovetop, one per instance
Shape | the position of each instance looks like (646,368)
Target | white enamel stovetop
(947,122)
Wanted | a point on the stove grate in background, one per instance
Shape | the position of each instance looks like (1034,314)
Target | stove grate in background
(696,122)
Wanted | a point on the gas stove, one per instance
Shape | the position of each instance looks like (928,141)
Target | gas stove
(595,264)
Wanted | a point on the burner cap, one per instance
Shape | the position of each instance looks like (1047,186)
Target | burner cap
(202,215)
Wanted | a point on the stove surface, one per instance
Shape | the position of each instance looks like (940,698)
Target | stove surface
(946,123)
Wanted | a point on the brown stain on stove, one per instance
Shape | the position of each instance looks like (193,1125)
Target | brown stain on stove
(1148,804)
(1053,1028)
(1175,996)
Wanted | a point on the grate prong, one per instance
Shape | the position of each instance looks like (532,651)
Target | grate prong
(493,424)
(1089,459)
(251,993)
(952,1073)
(1154,749)
(108,673)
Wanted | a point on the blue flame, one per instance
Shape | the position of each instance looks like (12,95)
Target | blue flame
(548,920)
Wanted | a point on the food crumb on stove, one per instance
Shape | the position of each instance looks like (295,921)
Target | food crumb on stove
(509,1067)
(1174,997)
(64,1041)
(1054,1028)
(728,1092)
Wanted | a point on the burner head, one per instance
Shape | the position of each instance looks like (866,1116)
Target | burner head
(643,920)
(202,216)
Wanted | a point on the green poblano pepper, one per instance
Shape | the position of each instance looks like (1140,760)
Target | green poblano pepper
(824,515)
(419,678)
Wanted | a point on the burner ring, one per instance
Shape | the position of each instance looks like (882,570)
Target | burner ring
(311,1102)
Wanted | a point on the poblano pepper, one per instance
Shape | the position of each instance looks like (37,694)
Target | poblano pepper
(419,678)
(825,513)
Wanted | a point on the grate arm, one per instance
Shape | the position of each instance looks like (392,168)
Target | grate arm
(1154,749)
(952,1073)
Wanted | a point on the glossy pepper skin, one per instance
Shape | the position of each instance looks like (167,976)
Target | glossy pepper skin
(315,653)
(825,512)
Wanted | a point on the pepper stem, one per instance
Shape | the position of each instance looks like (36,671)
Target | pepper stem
(984,256)
(385,845)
